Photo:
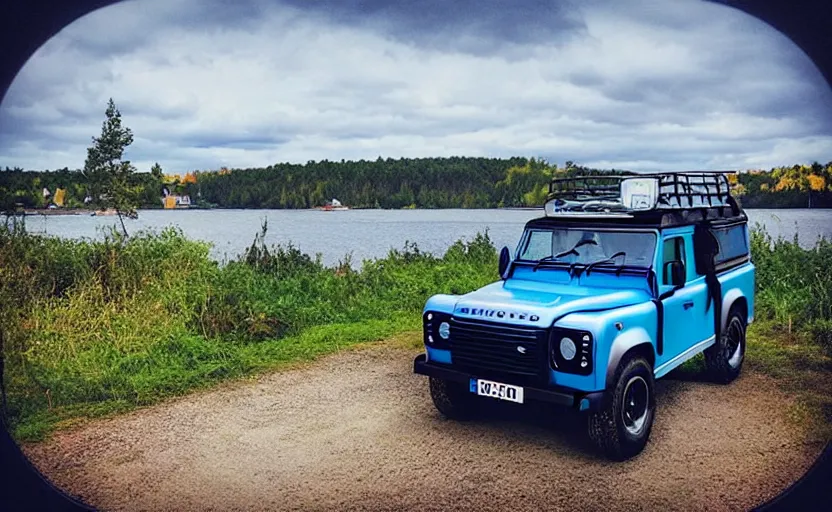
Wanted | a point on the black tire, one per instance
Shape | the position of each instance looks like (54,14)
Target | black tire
(621,429)
(453,399)
(723,359)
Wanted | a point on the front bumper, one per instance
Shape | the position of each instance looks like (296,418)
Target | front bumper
(565,397)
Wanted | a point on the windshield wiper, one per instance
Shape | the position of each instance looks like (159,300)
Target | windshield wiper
(580,243)
(605,261)
(542,260)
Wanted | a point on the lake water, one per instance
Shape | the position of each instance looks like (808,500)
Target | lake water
(369,233)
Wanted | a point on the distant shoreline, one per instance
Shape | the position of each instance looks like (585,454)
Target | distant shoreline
(89,212)
(57,211)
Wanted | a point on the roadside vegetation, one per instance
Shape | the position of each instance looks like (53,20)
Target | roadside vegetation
(792,336)
(92,327)
(96,327)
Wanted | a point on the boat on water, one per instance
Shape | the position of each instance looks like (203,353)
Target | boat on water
(334,205)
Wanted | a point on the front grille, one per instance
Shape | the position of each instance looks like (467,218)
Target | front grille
(491,349)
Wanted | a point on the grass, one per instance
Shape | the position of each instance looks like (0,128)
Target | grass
(792,337)
(95,328)
(172,370)
(802,369)
(99,327)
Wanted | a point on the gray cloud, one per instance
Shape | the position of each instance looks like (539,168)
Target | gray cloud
(478,27)
(637,84)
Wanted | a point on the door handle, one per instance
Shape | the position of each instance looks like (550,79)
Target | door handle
(688,304)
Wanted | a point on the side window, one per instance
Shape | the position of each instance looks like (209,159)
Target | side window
(732,243)
(539,245)
(673,250)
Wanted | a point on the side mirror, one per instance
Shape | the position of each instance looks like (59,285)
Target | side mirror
(676,270)
(505,260)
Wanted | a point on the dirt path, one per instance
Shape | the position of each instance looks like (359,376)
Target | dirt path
(357,431)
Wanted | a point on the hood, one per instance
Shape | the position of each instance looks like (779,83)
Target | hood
(540,304)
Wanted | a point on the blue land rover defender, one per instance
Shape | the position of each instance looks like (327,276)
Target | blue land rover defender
(622,279)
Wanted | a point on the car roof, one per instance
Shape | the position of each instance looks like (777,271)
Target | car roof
(656,219)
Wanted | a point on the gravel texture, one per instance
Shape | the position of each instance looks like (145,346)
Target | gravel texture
(357,431)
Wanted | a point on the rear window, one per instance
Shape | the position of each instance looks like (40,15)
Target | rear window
(733,243)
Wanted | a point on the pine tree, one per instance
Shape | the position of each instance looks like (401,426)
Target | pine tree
(109,176)
(156,172)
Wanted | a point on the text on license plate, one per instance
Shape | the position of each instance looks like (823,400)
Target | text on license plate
(497,390)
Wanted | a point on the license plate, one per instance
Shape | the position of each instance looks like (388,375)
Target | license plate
(497,390)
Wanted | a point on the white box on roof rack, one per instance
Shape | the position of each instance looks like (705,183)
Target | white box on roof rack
(640,193)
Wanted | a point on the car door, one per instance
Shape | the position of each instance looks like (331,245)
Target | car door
(683,310)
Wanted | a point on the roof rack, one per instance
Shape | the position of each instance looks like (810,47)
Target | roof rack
(632,193)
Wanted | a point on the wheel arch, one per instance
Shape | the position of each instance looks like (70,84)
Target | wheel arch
(632,342)
(733,299)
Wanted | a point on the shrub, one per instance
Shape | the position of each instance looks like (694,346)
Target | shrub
(794,285)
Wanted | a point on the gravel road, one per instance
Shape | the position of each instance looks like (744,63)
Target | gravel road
(358,431)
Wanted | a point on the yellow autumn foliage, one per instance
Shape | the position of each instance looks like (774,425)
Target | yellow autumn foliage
(785,183)
(816,183)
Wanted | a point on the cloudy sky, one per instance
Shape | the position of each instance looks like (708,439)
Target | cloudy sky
(641,85)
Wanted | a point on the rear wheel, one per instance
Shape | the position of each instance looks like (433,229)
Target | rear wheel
(453,399)
(723,359)
(622,427)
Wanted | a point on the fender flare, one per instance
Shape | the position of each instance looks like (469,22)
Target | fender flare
(623,343)
(728,300)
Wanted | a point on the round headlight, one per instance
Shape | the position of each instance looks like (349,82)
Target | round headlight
(567,348)
(444,330)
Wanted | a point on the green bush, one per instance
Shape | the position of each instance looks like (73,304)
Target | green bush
(794,285)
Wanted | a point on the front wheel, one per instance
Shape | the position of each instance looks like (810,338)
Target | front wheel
(622,427)
(723,359)
(453,399)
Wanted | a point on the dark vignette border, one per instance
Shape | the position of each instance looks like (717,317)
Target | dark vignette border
(28,25)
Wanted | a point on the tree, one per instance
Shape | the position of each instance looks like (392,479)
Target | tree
(156,172)
(110,178)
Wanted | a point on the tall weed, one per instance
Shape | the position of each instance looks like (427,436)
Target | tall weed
(794,285)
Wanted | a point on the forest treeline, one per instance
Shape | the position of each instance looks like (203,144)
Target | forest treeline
(450,182)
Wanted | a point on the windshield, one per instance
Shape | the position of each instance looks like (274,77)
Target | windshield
(587,246)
